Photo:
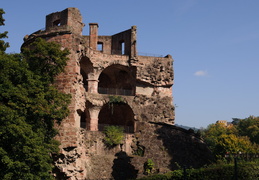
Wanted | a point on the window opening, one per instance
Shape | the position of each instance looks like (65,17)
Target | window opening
(100,46)
(122,47)
(83,120)
(56,23)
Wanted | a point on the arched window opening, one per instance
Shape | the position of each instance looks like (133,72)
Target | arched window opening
(117,115)
(117,79)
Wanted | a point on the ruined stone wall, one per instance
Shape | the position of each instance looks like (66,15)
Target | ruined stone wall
(118,39)
(166,145)
(156,71)
(153,109)
(149,105)
(69,17)
(106,43)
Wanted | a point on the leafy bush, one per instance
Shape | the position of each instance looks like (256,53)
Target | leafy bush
(149,166)
(113,135)
(246,170)
(140,151)
(155,177)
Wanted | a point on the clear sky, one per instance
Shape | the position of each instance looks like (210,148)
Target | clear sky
(214,43)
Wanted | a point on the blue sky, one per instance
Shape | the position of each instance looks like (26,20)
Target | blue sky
(215,46)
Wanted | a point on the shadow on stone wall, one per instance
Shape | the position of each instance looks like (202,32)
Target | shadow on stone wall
(184,147)
(122,167)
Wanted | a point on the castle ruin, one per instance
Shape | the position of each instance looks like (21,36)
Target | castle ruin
(104,67)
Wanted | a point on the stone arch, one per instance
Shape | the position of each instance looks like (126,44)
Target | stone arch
(118,114)
(117,79)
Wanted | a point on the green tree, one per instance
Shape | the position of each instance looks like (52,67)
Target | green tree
(29,106)
(214,131)
(3,44)
(249,127)
(230,143)
(222,139)
(45,59)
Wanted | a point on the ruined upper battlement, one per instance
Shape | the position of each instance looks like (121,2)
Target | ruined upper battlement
(70,17)
(69,21)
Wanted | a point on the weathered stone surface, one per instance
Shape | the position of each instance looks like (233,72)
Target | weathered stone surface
(155,71)
(154,108)
(105,69)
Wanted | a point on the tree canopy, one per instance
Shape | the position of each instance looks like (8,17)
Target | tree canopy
(249,127)
(240,136)
(3,44)
(29,106)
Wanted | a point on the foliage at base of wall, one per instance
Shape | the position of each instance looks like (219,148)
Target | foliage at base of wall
(221,170)
(149,166)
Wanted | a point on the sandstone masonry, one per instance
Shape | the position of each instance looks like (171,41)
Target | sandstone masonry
(102,67)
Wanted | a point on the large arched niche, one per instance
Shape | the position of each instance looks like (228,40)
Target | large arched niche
(116,114)
(117,79)
(86,67)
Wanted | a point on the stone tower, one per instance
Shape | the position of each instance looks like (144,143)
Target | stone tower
(101,68)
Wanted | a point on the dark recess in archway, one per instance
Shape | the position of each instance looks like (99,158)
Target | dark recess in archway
(118,115)
(117,79)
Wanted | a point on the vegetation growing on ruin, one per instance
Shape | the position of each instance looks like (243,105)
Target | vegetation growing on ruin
(113,135)
(115,100)
(148,166)
(139,151)
(29,106)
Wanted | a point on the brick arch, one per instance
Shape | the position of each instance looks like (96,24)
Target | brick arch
(120,114)
(117,79)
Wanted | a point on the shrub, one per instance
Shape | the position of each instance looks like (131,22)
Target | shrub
(246,170)
(148,166)
(113,135)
